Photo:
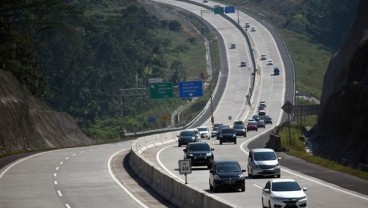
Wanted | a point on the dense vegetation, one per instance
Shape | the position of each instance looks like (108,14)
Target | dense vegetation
(309,27)
(76,58)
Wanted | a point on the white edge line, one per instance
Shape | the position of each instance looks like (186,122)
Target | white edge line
(118,182)
(67,205)
(59,192)
(305,177)
(255,185)
(19,161)
(326,185)
(163,166)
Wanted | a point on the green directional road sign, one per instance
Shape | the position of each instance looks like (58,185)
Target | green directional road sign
(161,90)
(218,10)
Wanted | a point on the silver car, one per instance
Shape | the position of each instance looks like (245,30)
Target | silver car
(263,162)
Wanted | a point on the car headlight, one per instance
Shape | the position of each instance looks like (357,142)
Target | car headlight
(208,154)
(256,166)
(303,197)
(217,177)
(190,155)
(242,176)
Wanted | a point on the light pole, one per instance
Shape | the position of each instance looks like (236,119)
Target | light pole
(210,57)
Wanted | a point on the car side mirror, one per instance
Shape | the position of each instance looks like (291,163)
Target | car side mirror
(184,150)
(177,135)
(266,191)
(211,171)
(305,189)
(212,149)
(243,170)
(279,158)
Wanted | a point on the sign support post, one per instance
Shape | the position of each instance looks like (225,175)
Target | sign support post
(185,167)
(288,107)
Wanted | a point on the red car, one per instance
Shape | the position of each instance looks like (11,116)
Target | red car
(252,125)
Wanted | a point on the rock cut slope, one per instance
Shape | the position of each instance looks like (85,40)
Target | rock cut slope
(28,124)
(343,122)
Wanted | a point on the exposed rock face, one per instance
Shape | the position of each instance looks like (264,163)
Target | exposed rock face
(28,124)
(343,123)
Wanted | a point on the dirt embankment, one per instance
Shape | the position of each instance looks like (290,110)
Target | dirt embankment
(28,124)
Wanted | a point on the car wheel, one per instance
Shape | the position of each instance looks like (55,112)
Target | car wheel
(235,142)
(220,142)
(209,166)
(179,145)
(256,129)
(269,204)
(211,187)
(243,188)
(214,188)
(263,204)
(279,175)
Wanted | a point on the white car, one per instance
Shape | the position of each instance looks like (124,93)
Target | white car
(284,193)
(204,132)
(253,29)
(214,131)
(270,62)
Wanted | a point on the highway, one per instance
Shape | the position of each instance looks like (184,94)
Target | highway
(83,176)
(270,89)
(74,177)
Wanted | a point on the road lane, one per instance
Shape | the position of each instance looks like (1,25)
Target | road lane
(74,177)
(271,89)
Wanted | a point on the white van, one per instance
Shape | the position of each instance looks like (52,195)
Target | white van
(263,162)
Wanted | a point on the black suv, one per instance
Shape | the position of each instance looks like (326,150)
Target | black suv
(240,129)
(186,136)
(226,174)
(199,153)
(227,135)
(219,130)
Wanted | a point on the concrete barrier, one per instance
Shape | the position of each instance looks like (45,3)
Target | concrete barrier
(171,188)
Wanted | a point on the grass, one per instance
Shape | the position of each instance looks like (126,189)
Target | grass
(310,68)
(297,149)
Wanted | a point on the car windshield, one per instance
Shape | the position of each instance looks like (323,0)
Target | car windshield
(262,156)
(286,186)
(202,129)
(228,167)
(239,126)
(214,129)
(227,130)
(187,133)
(197,147)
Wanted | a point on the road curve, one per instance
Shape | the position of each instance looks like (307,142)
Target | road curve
(272,89)
(74,177)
